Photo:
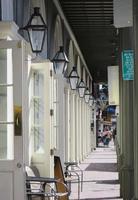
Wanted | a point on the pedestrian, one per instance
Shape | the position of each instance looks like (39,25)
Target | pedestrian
(114,134)
(106,137)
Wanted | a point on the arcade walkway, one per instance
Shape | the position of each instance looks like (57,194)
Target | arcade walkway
(100,176)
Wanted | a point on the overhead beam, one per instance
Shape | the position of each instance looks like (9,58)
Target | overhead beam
(86,2)
(103,28)
(76,12)
(90,15)
(91,25)
(87,5)
(57,4)
(91,20)
(87,8)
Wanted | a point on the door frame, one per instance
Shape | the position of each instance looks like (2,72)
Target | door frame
(14,168)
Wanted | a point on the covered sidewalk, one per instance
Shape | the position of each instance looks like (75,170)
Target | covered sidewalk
(100,175)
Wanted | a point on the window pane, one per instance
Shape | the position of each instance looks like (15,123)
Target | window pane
(3,66)
(5,63)
(38,110)
(6,141)
(38,139)
(3,103)
(6,104)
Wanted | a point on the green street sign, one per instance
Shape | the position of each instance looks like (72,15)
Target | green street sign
(128,64)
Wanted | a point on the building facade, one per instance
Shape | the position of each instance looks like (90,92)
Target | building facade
(41,116)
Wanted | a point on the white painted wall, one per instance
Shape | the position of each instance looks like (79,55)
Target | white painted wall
(123,14)
(113,85)
(7,10)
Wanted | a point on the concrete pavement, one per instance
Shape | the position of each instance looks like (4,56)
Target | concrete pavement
(100,176)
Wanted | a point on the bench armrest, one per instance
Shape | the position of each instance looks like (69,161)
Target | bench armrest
(40,179)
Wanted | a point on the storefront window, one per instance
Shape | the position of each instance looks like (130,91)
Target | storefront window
(6,105)
(38,112)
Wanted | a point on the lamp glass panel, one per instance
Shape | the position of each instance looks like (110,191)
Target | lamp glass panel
(58,66)
(86,98)
(60,56)
(74,80)
(81,89)
(81,92)
(65,67)
(36,38)
(90,102)
(36,20)
(73,83)
(65,57)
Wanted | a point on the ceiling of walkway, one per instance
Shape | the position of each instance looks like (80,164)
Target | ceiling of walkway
(92,24)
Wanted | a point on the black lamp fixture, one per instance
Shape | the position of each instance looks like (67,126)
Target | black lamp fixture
(36,29)
(73,78)
(81,88)
(87,95)
(91,100)
(60,61)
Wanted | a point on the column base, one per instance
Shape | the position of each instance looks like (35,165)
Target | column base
(127,182)
(120,165)
(134,198)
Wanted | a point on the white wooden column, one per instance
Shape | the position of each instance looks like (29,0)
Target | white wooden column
(77,130)
(67,124)
(88,130)
(80,128)
(83,128)
(61,115)
(72,127)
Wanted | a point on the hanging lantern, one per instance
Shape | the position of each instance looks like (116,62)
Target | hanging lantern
(73,78)
(81,88)
(87,95)
(91,101)
(60,61)
(36,29)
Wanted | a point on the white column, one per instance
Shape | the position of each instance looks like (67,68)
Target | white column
(67,125)
(81,130)
(85,130)
(61,118)
(72,127)
(77,130)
